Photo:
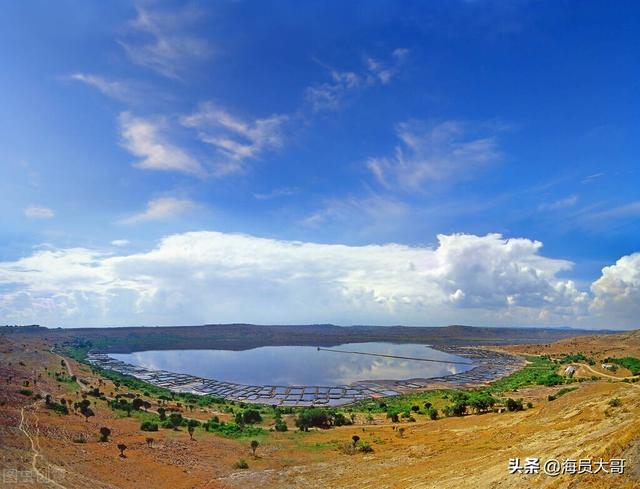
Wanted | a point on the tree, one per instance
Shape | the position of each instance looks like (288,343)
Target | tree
(254,446)
(415,409)
(459,408)
(314,417)
(122,447)
(81,405)
(190,429)
(481,401)
(432,413)
(162,413)
(394,415)
(355,439)
(401,431)
(513,405)
(149,442)
(87,413)
(340,419)
(248,416)
(281,425)
(104,434)
(174,421)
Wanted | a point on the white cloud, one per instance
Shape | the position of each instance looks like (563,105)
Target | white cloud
(145,139)
(373,208)
(120,242)
(111,88)
(592,178)
(381,72)
(630,210)
(160,40)
(161,208)
(235,139)
(617,292)
(331,95)
(437,153)
(276,193)
(559,204)
(205,276)
(38,212)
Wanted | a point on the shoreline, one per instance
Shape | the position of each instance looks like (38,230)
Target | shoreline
(489,365)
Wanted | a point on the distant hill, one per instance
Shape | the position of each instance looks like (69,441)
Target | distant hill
(245,336)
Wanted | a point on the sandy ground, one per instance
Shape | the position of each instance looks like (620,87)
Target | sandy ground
(472,451)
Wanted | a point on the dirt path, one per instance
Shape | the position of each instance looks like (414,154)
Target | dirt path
(70,370)
(36,453)
(602,374)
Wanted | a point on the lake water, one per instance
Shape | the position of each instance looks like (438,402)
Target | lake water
(303,365)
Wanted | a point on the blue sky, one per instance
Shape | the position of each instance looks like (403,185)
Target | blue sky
(425,128)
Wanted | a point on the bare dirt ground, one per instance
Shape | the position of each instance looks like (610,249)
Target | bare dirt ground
(618,345)
(470,451)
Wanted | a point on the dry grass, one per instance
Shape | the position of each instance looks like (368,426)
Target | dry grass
(472,451)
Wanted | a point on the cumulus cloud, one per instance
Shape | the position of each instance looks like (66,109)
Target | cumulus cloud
(443,152)
(236,140)
(210,276)
(146,139)
(617,292)
(38,212)
(120,242)
(158,209)
(160,39)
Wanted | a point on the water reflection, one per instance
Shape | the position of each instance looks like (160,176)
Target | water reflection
(301,365)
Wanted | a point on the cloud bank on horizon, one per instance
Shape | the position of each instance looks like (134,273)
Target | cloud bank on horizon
(205,276)
(185,162)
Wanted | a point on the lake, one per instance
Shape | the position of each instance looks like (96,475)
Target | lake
(303,365)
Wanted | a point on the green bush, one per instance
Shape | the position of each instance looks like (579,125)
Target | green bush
(58,407)
(564,390)
(149,426)
(313,417)
(432,413)
(551,379)
(514,405)
(233,430)
(241,464)
(249,416)
(630,363)
(365,447)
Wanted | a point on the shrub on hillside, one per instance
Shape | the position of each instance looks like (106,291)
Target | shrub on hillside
(149,426)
